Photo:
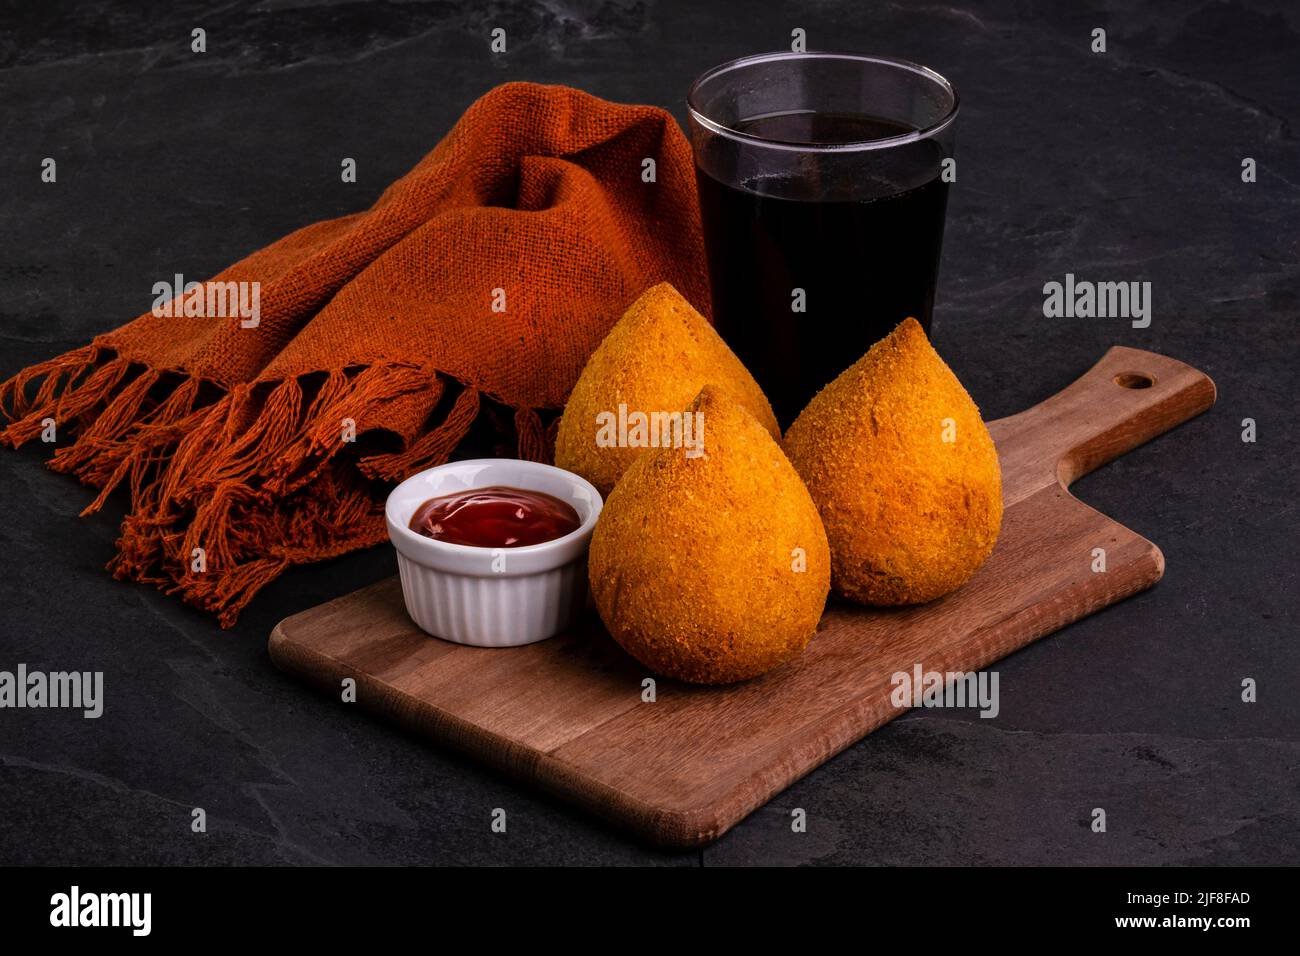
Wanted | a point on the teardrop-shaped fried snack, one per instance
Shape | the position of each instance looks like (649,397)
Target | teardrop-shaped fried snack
(711,567)
(903,471)
(652,363)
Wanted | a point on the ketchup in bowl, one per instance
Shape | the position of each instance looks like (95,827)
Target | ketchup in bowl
(495,517)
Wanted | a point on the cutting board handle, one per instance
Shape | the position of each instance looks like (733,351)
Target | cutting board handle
(1126,399)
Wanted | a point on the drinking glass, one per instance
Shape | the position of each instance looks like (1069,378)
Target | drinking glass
(823,182)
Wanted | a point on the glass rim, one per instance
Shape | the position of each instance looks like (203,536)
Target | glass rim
(888,142)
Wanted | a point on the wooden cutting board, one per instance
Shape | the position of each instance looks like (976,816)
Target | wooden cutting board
(567,714)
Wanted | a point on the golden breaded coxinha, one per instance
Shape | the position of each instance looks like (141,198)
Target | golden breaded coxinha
(655,360)
(903,471)
(713,568)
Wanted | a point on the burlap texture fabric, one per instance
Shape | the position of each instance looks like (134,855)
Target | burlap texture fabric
(490,271)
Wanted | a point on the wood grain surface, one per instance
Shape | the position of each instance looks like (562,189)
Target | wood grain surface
(567,715)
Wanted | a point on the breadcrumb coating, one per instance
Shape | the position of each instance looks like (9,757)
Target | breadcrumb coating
(904,473)
(655,359)
(715,568)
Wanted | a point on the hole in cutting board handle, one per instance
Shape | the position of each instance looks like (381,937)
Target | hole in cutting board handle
(1134,380)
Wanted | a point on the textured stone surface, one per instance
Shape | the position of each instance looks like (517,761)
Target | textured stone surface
(1123,166)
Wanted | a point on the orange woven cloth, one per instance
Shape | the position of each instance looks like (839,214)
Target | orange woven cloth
(488,272)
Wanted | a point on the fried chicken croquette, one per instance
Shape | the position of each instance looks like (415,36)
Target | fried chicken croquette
(904,473)
(711,568)
(653,362)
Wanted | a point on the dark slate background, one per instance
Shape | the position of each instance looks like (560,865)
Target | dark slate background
(1123,166)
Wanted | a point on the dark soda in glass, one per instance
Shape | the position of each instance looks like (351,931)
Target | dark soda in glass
(823,226)
(859,266)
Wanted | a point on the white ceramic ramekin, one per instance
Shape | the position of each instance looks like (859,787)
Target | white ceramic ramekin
(492,597)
